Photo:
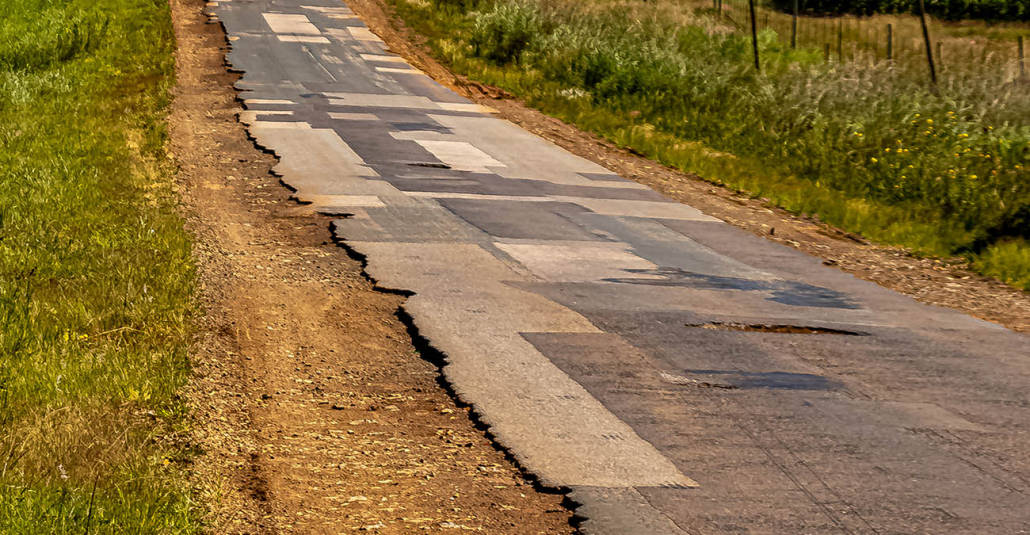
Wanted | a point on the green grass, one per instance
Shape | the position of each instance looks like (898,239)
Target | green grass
(1006,260)
(868,147)
(95,272)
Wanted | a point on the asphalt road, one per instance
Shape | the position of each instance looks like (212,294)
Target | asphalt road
(675,374)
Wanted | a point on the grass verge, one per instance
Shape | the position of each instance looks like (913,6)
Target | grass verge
(869,148)
(95,272)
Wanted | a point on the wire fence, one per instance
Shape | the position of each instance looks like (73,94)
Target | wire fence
(936,47)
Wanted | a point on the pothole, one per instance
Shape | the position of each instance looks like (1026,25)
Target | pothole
(434,165)
(687,381)
(772,328)
(733,379)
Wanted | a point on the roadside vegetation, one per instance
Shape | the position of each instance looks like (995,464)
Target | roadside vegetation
(866,145)
(95,272)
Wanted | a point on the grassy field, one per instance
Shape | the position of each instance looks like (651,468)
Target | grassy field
(865,145)
(95,272)
(864,38)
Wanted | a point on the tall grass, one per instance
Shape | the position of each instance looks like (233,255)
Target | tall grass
(867,147)
(864,38)
(95,272)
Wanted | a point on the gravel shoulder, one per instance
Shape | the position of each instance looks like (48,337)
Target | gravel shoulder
(313,410)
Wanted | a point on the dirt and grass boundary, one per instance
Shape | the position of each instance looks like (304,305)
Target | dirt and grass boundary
(237,376)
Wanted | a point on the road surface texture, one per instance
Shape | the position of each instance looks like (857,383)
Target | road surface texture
(673,373)
(310,409)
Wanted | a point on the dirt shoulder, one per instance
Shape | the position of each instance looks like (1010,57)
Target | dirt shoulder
(942,282)
(314,413)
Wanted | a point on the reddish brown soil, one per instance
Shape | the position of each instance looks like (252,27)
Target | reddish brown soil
(313,411)
(943,282)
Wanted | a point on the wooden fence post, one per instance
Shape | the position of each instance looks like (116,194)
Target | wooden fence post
(840,40)
(754,34)
(794,28)
(926,41)
(890,42)
(1022,63)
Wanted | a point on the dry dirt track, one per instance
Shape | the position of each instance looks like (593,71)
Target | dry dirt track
(313,410)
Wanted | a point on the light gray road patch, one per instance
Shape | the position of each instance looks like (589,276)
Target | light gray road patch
(290,24)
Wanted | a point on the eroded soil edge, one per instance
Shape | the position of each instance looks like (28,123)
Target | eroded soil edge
(314,412)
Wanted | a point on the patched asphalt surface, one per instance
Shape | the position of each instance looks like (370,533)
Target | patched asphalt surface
(675,374)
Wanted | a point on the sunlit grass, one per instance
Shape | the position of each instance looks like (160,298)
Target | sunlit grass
(871,147)
(1007,260)
(95,272)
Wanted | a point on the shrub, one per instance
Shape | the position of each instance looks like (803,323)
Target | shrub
(461,6)
(506,31)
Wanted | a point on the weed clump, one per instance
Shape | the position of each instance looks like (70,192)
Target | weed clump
(49,37)
(503,33)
